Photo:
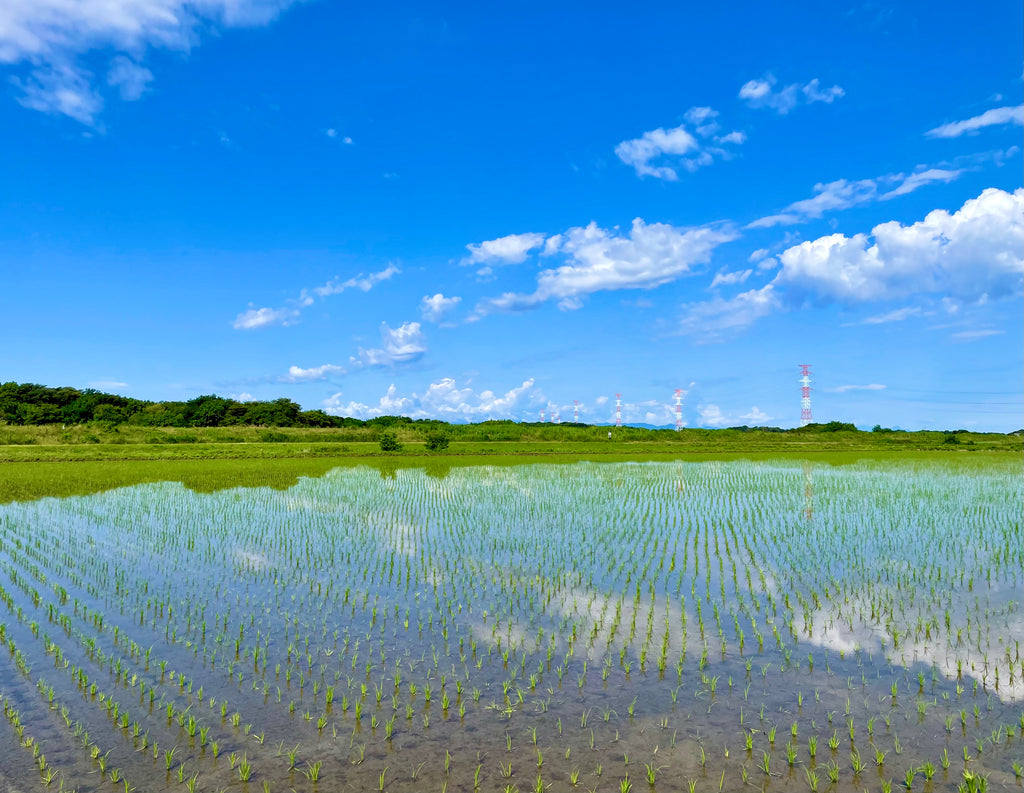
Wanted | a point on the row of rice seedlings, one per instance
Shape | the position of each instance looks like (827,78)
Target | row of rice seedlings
(516,598)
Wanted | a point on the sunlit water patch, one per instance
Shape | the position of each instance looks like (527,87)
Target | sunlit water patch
(665,626)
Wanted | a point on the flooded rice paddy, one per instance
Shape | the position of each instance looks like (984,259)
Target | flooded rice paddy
(592,627)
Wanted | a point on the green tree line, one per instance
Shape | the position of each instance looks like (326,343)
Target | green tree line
(33,404)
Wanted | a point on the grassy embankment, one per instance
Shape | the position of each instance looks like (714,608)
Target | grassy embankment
(53,461)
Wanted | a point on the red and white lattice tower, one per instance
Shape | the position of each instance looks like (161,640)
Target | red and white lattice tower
(679,409)
(805,394)
(542,415)
(618,410)
(575,411)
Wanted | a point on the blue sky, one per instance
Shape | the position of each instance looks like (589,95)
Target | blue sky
(473,211)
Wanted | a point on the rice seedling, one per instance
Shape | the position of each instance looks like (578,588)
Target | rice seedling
(510,610)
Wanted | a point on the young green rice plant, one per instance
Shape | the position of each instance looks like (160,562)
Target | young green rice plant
(312,770)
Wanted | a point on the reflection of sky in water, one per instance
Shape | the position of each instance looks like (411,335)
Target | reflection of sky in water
(788,556)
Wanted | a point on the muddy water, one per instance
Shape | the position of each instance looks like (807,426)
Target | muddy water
(709,626)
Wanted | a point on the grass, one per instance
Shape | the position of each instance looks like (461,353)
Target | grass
(54,469)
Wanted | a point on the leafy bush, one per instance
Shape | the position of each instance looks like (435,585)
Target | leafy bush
(437,441)
(389,442)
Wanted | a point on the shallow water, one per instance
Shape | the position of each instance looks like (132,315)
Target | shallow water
(536,626)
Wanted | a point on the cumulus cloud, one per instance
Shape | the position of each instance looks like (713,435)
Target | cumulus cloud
(755,416)
(678,146)
(511,249)
(445,400)
(972,255)
(403,344)
(997,116)
(969,255)
(106,385)
(600,259)
(298,375)
(289,313)
(711,416)
(763,93)
(433,309)
(843,194)
(48,36)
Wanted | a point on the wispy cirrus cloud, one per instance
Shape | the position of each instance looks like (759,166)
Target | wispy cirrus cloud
(843,194)
(288,314)
(364,283)
(46,38)
(897,315)
(975,335)
(997,116)
(762,92)
(679,147)
(843,389)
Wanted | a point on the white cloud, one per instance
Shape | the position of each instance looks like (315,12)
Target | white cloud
(443,399)
(842,389)
(728,279)
(756,416)
(299,375)
(289,314)
(711,416)
(898,315)
(61,90)
(762,93)
(130,78)
(49,36)
(263,317)
(389,405)
(364,283)
(997,116)
(972,335)
(603,260)
(433,309)
(717,319)
(403,344)
(107,384)
(916,180)
(971,254)
(680,145)
(512,249)
(843,194)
